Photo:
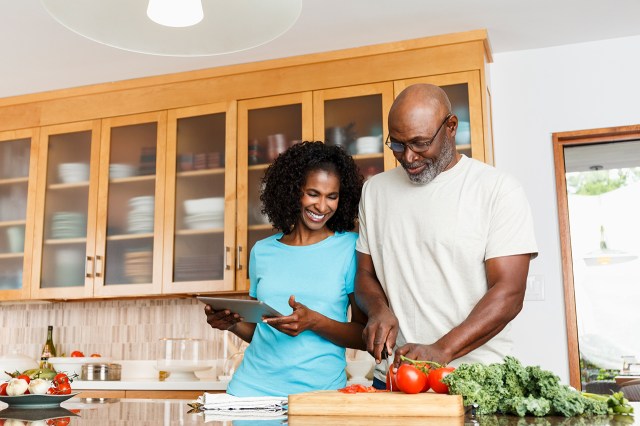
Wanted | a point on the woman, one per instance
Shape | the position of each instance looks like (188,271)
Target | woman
(306,271)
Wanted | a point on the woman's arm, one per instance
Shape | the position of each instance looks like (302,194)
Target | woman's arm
(345,334)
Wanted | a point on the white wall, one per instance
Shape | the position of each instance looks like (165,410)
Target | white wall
(535,93)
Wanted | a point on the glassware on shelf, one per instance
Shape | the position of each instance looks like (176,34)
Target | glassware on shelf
(140,218)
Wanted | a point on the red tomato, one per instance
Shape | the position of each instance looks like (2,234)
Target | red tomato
(77,354)
(3,389)
(61,421)
(60,378)
(25,378)
(392,385)
(410,379)
(435,379)
(95,355)
(64,388)
(427,385)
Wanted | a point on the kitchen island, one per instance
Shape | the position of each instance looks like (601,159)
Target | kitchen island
(81,411)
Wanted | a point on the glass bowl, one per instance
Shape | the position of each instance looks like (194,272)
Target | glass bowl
(182,357)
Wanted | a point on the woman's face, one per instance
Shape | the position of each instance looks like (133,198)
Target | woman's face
(320,194)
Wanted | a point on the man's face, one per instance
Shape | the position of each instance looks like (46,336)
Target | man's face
(423,167)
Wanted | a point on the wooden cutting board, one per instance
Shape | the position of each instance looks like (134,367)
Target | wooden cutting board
(334,403)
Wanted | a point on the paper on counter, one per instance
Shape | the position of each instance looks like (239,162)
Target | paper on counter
(223,403)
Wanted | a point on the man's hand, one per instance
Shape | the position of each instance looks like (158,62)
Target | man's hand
(419,352)
(380,333)
(300,320)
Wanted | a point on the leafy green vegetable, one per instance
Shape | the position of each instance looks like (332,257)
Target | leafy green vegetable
(511,388)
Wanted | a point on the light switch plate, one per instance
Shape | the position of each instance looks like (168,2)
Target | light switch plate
(535,288)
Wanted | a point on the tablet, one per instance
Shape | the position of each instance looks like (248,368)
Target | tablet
(250,310)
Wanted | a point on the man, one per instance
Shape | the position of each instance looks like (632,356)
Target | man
(444,247)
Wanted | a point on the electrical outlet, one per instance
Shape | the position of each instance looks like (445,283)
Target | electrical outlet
(535,288)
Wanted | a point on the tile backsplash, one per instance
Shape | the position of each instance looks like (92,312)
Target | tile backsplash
(120,329)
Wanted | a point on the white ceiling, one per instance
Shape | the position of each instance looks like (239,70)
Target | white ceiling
(38,54)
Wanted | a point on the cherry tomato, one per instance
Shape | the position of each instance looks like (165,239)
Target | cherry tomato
(60,378)
(77,354)
(95,355)
(392,385)
(3,389)
(410,379)
(61,421)
(25,378)
(64,388)
(435,379)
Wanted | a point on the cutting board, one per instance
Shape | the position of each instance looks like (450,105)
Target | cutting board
(398,404)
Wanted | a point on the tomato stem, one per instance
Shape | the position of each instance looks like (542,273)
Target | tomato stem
(419,363)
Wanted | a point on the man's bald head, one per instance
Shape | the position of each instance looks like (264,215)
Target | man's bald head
(420,99)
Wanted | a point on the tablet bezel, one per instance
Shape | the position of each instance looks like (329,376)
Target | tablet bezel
(249,309)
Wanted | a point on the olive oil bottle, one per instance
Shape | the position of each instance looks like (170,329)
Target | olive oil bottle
(48,350)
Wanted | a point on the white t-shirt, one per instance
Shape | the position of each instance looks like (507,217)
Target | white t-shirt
(429,243)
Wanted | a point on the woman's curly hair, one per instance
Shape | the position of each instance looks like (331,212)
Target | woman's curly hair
(283,181)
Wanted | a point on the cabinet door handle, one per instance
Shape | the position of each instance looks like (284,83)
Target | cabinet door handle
(238,261)
(227,250)
(99,265)
(88,267)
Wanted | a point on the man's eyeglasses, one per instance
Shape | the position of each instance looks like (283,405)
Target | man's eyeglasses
(415,146)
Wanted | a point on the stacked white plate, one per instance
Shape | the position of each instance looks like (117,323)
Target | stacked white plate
(140,219)
(204,213)
(368,144)
(73,172)
(117,171)
(138,266)
(68,225)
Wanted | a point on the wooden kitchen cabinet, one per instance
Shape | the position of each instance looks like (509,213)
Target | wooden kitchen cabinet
(206,134)
(18,158)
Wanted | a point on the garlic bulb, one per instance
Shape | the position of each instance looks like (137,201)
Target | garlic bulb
(17,387)
(39,386)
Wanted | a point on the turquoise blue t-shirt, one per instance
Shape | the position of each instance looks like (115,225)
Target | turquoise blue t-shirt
(320,276)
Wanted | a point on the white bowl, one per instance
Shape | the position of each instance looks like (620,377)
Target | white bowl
(15,362)
(73,172)
(73,365)
(203,205)
(359,369)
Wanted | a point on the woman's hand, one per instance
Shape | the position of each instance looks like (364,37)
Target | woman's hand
(300,320)
(223,319)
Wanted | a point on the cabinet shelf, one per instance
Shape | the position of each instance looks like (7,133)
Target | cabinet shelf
(8,223)
(127,237)
(197,173)
(60,241)
(261,227)
(258,167)
(144,178)
(185,232)
(73,185)
(463,147)
(12,181)
(11,256)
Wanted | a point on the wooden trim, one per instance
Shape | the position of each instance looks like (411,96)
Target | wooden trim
(357,52)
(169,94)
(560,141)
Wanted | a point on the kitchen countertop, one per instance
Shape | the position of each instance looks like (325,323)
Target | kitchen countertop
(177,412)
(149,384)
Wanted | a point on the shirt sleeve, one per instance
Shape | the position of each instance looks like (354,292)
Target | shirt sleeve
(511,229)
(351,274)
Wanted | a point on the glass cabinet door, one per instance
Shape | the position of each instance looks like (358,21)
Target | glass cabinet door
(200,212)
(128,258)
(18,161)
(355,118)
(266,127)
(463,90)
(64,229)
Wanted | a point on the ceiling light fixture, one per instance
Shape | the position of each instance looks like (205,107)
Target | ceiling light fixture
(225,26)
(175,13)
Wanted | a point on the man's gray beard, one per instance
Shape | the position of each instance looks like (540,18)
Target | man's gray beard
(434,168)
